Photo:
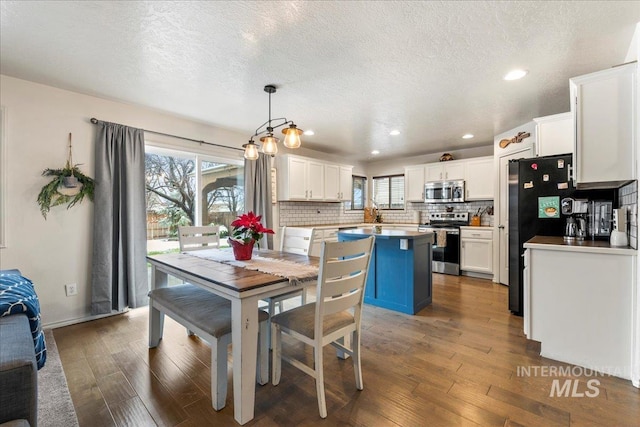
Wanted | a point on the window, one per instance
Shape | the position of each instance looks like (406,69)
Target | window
(185,188)
(388,192)
(358,192)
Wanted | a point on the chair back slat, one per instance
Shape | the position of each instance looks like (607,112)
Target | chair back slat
(296,240)
(347,249)
(342,267)
(341,285)
(342,302)
(193,238)
(343,274)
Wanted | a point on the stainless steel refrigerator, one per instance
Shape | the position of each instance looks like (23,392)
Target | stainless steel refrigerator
(536,187)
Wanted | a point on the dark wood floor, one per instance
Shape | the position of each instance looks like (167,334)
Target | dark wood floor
(455,363)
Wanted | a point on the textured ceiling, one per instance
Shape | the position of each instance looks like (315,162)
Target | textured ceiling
(351,71)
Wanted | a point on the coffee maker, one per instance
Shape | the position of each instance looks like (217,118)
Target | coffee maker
(576,211)
(600,218)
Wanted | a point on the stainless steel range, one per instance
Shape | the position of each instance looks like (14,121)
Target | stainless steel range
(446,244)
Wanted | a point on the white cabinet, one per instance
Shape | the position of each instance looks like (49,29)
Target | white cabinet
(414,183)
(442,171)
(315,180)
(554,134)
(476,252)
(332,182)
(301,179)
(293,179)
(603,105)
(322,235)
(337,182)
(346,182)
(578,304)
(479,177)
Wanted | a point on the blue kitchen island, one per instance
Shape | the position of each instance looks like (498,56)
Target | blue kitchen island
(400,272)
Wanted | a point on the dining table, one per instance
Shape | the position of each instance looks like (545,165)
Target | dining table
(244,287)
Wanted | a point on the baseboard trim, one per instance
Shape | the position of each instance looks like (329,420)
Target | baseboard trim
(69,322)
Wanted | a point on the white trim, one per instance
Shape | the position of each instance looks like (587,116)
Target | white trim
(77,320)
(3,176)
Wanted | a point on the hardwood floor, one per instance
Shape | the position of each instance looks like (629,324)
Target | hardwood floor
(455,363)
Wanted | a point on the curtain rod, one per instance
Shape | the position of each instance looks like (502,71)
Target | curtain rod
(96,121)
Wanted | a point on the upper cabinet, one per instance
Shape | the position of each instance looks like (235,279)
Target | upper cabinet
(554,134)
(476,172)
(603,106)
(414,183)
(305,179)
(444,171)
(337,182)
(478,179)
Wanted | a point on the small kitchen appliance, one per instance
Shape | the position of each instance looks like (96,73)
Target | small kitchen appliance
(569,206)
(570,230)
(444,191)
(619,231)
(600,219)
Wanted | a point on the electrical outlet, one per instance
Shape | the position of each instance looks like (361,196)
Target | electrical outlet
(71,289)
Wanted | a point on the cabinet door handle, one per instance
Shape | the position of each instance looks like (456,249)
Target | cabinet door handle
(306,194)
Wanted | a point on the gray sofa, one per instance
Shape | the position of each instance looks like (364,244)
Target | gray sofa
(18,373)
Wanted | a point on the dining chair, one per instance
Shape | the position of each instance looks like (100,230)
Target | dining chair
(193,238)
(208,316)
(293,240)
(336,313)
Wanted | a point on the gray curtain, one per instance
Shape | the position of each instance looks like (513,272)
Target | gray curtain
(257,193)
(119,275)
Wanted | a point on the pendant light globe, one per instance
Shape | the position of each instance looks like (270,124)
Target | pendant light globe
(251,150)
(292,136)
(269,145)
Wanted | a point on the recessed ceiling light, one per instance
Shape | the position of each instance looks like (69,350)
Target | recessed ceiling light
(467,136)
(394,132)
(309,132)
(374,152)
(515,74)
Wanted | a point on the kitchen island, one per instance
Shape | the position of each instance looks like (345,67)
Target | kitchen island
(581,302)
(400,272)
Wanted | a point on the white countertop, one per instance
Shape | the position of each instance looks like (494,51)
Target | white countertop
(555,243)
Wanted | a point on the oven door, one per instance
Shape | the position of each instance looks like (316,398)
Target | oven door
(446,250)
(437,192)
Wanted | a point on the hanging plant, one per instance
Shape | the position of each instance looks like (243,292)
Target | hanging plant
(69,185)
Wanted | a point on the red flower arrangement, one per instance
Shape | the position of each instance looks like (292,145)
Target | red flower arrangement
(247,227)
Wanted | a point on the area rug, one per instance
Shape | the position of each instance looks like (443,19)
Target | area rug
(55,407)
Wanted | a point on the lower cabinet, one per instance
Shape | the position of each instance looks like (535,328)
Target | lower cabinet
(476,250)
(398,279)
(322,235)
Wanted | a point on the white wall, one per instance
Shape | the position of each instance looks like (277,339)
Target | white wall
(58,250)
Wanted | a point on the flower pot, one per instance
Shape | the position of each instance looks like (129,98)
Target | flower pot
(70,181)
(241,252)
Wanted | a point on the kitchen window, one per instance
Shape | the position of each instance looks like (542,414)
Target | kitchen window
(388,192)
(358,192)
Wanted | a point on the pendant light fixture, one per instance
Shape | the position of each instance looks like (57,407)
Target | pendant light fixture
(270,142)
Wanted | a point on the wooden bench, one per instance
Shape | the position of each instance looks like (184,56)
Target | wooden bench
(208,316)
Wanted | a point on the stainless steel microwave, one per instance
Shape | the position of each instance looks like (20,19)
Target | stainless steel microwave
(444,191)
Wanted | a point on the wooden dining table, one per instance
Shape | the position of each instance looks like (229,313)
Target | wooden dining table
(244,288)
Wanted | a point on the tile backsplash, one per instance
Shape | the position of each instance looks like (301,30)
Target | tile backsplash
(628,198)
(311,213)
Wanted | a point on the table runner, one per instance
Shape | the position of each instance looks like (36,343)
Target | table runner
(293,271)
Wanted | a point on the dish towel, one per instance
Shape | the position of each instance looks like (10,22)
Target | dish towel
(441,238)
